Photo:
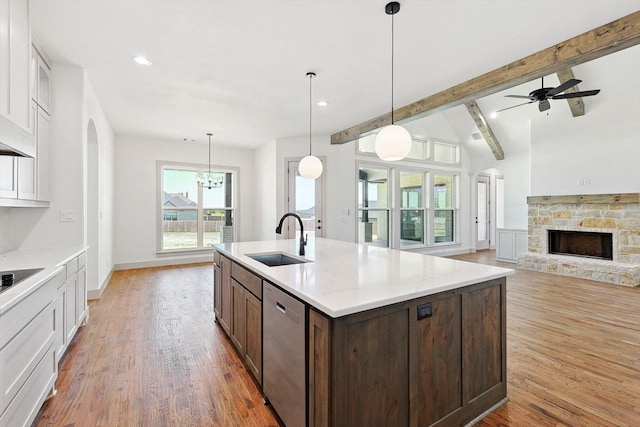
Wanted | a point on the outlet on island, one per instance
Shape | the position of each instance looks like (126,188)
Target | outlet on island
(425,310)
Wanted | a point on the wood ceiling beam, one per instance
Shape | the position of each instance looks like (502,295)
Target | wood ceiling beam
(606,39)
(575,104)
(485,129)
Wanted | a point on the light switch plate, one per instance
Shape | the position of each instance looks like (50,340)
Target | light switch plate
(67,215)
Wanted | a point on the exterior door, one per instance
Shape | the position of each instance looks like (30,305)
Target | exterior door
(304,197)
(482,213)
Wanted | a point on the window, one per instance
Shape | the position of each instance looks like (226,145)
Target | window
(419,147)
(194,216)
(373,206)
(412,230)
(446,153)
(444,207)
(422,150)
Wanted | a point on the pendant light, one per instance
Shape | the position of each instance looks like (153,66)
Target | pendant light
(209,182)
(393,142)
(310,166)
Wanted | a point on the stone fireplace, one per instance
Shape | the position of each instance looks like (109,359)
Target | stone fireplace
(594,237)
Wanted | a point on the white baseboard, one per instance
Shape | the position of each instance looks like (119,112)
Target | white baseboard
(164,262)
(97,293)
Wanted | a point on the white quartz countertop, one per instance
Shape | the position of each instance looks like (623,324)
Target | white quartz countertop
(51,261)
(345,278)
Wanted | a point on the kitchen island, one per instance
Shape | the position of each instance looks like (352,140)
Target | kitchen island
(392,338)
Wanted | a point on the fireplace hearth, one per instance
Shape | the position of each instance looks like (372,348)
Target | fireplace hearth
(581,243)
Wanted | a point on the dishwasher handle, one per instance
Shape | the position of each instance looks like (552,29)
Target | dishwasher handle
(281,307)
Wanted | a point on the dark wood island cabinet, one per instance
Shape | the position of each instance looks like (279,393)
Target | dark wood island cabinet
(384,367)
(437,358)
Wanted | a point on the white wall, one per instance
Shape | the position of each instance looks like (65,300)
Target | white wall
(603,146)
(41,227)
(339,182)
(135,190)
(264,190)
(515,168)
(6,243)
(99,223)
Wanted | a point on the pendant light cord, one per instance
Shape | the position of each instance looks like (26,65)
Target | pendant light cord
(392,43)
(311,75)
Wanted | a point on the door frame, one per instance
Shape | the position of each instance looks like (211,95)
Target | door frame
(320,191)
(483,244)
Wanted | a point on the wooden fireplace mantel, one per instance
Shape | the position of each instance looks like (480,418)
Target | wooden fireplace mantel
(585,198)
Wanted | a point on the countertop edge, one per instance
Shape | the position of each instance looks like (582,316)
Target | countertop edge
(47,259)
(357,308)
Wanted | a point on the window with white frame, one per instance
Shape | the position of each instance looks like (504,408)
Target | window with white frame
(422,150)
(194,216)
(412,212)
(373,205)
(445,201)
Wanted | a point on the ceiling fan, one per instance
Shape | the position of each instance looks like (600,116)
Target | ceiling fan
(544,94)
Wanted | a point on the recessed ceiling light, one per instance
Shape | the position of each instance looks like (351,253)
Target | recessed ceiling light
(493,115)
(141,60)
(322,103)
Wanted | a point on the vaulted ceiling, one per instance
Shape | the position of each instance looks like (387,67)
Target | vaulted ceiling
(238,69)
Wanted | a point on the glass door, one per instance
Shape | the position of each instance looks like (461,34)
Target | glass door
(482,213)
(304,197)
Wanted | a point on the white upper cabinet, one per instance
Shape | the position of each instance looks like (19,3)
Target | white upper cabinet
(40,81)
(15,57)
(15,77)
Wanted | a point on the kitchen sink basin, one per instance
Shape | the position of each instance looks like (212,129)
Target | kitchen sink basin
(276,259)
(18,276)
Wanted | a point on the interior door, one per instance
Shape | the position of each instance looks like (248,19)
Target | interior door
(482,212)
(304,197)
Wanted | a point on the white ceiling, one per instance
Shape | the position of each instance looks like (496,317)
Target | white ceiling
(238,68)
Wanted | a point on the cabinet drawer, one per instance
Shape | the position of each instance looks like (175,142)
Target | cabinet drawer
(216,258)
(72,267)
(82,260)
(247,279)
(19,358)
(19,316)
(24,408)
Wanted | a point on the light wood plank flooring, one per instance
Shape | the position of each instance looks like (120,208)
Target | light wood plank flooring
(152,355)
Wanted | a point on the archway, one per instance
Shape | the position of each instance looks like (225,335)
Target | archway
(93,208)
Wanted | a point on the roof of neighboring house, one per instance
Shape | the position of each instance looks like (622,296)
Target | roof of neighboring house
(178,200)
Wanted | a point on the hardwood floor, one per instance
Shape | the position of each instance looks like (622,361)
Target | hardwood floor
(573,351)
(152,355)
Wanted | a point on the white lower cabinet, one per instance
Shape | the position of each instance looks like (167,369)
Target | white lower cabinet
(74,304)
(28,367)
(34,334)
(60,321)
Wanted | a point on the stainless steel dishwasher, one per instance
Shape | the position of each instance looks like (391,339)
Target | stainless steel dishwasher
(284,373)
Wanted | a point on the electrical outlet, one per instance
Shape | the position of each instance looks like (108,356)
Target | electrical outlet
(425,310)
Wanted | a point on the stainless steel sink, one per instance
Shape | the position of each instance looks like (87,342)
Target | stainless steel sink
(276,259)
(19,276)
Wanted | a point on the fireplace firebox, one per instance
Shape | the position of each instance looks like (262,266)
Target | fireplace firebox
(581,243)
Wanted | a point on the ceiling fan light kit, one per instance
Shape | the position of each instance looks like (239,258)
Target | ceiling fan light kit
(544,94)
(393,142)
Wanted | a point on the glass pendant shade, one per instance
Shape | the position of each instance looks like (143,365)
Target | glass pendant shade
(310,167)
(392,143)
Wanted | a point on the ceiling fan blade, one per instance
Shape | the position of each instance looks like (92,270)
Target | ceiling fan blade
(514,106)
(564,86)
(517,96)
(577,94)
